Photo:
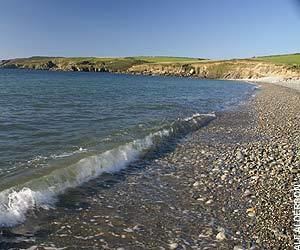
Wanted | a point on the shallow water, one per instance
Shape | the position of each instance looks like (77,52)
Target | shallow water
(59,130)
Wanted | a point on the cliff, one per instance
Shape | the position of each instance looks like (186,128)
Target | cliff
(227,69)
(233,69)
(88,64)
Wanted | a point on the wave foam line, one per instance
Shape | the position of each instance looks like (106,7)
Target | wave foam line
(41,192)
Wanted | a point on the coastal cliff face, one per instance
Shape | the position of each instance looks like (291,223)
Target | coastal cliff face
(230,69)
(72,64)
(238,69)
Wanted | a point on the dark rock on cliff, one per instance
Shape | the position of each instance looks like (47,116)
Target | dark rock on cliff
(50,65)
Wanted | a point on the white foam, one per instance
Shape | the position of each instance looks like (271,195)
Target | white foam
(41,192)
(67,154)
(14,204)
(197,115)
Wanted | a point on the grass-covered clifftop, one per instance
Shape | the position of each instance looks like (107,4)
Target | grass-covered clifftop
(96,64)
(72,63)
(290,59)
(287,66)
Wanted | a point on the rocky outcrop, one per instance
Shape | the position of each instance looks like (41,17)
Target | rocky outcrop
(238,69)
(3,62)
(72,64)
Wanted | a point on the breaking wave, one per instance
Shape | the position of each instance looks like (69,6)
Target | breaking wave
(17,201)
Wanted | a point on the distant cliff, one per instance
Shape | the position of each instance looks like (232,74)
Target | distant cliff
(233,69)
(227,69)
(89,64)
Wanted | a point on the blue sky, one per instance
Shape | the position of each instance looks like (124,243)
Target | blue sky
(197,28)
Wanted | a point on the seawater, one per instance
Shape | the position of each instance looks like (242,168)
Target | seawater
(59,130)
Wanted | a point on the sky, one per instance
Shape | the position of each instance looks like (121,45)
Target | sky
(212,29)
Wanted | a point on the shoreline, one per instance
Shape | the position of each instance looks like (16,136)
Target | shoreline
(289,82)
(225,186)
(280,81)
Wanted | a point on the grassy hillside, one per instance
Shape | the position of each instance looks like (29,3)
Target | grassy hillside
(291,59)
(167,59)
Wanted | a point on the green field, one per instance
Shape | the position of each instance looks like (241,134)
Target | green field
(166,59)
(142,59)
(291,59)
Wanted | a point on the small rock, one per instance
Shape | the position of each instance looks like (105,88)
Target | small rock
(136,228)
(128,230)
(196,184)
(240,155)
(251,212)
(221,236)
(238,248)
(208,232)
(221,229)
(173,245)
(247,193)
(192,71)
(209,202)
(223,177)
